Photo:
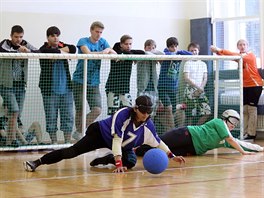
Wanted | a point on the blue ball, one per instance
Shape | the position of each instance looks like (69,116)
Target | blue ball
(155,161)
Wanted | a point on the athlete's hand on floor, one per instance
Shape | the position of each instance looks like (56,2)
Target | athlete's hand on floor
(120,169)
(179,159)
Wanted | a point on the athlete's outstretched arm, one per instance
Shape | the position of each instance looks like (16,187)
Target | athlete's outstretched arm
(235,145)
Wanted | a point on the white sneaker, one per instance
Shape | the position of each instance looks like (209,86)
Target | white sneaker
(76,135)
(29,166)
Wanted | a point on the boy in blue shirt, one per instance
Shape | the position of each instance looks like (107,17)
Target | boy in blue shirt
(168,83)
(94,44)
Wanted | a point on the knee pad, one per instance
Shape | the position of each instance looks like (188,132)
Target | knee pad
(129,159)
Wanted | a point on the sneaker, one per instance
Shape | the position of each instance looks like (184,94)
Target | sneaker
(249,137)
(107,159)
(29,166)
(76,135)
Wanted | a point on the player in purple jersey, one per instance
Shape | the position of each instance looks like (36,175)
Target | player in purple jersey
(128,128)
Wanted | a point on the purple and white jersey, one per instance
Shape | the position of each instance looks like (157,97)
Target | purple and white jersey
(121,124)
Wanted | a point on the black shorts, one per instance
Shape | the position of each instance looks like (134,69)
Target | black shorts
(251,95)
(179,141)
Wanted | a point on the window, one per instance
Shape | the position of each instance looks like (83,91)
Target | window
(233,20)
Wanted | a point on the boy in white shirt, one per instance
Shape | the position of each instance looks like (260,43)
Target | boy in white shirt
(195,75)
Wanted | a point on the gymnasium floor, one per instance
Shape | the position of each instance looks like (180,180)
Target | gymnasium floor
(219,173)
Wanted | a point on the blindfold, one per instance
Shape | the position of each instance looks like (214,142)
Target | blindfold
(145,109)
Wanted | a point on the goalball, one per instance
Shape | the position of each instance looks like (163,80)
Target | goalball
(155,161)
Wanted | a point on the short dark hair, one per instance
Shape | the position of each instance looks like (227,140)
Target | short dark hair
(124,38)
(194,45)
(17,29)
(53,30)
(172,41)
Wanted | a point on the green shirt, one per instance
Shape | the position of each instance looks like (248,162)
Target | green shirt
(209,135)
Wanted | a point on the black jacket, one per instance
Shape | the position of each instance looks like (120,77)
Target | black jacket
(46,65)
(118,80)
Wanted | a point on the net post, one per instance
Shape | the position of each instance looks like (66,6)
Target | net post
(216,93)
(216,90)
(84,96)
(240,69)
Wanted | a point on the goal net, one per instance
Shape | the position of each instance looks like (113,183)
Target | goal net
(49,107)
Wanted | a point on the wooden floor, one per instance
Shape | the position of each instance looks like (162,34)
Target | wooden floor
(224,173)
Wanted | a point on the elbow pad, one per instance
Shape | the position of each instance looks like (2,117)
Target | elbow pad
(117,145)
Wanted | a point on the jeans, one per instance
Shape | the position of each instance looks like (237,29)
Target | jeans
(62,103)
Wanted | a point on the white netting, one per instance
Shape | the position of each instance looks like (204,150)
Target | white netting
(222,94)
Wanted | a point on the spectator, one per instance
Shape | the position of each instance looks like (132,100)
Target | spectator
(168,84)
(195,75)
(94,44)
(147,77)
(252,86)
(118,82)
(14,75)
(55,85)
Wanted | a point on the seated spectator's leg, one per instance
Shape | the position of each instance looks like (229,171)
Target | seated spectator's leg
(20,137)
(20,124)
(34,131)
(12,127)
(10,102)
(20,92)
(3,134)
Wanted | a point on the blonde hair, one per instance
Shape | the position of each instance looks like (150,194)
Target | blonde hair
(97,24)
